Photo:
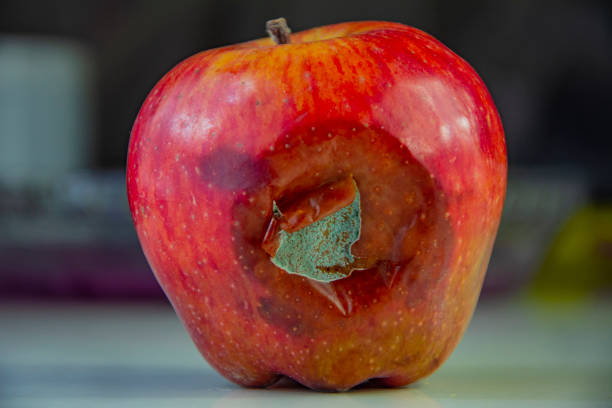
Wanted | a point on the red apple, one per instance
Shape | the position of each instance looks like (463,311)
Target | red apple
(240,147)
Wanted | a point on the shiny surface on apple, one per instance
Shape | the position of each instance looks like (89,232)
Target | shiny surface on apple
(137,355)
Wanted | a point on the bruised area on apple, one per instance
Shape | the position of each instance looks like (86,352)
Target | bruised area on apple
(351,323)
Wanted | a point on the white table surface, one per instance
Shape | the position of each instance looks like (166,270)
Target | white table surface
(514,354)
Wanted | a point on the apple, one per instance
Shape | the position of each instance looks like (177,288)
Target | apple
(320,205)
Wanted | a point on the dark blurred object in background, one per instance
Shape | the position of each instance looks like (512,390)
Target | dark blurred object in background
(73,75)
(73,239)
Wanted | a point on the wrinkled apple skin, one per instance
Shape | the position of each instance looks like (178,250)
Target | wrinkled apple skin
(230,130)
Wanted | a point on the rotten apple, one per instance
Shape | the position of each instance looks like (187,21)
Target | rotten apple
(320,205)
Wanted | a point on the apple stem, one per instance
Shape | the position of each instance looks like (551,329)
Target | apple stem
(278,30)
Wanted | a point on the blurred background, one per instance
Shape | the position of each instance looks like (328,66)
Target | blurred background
(73,75)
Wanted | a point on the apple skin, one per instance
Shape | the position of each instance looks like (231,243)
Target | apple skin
(230,130)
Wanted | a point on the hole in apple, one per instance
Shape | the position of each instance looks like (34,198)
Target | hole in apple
(313,236)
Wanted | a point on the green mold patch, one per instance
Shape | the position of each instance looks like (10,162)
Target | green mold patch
(321,250)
